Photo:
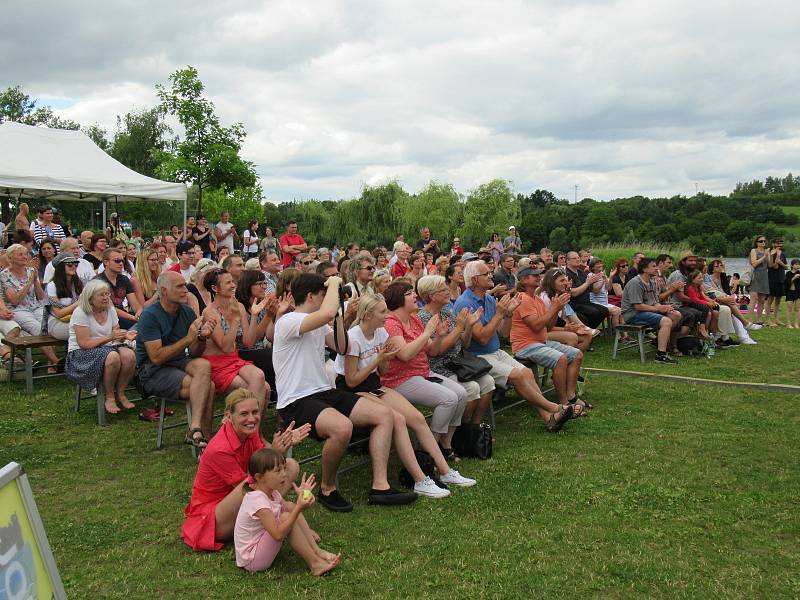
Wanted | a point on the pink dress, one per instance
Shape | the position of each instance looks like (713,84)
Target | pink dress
(255,547)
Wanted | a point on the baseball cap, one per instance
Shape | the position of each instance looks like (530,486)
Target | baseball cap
(468,256)
(64,257)
(510,227)
(522,273)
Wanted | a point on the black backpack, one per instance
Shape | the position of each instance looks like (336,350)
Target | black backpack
(690,345)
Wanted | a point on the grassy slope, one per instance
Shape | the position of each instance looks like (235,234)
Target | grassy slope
(794,210)
(667,490)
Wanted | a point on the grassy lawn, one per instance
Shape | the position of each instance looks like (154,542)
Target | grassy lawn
(758,363)
(666,490)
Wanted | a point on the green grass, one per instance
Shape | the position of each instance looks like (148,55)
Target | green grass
(759,363)
(795,229)
(666,491)
(611,252)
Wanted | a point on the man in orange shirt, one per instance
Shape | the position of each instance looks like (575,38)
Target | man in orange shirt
(529,327)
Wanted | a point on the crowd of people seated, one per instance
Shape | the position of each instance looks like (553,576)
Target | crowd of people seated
(345,340)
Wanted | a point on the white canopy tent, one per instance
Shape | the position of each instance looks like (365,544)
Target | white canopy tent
(56,164)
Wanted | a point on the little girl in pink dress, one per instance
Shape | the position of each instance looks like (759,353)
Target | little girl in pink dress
(265,519)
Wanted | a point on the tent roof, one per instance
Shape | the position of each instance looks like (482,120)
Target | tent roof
(57,164)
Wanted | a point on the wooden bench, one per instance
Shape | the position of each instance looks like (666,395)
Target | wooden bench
(639,331)
(28,343)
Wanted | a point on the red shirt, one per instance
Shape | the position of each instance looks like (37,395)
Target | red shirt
(222,467)
(290,239)
(399,372)
(399,269)
(695,295)
(521,334)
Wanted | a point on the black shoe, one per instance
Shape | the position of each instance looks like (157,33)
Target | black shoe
(665,358)
(439,483)
(730,342)
(334,502)
(391,497)
(449,454)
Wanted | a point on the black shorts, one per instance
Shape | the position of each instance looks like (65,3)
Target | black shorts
(776,289)
(307,409)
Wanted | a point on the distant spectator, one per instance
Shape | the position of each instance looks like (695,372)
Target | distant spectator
(426,244)
(291,244)
(225,232)
(512,244)
(45,228)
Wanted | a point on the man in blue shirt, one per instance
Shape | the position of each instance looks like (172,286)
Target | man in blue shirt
(496,317)
(167,329)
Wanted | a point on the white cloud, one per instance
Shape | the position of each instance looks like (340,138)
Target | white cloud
(618,98)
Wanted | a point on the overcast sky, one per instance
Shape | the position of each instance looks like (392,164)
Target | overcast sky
(618,98)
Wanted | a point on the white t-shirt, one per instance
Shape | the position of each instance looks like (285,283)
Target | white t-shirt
(95,329)
(85,271)
(187,274)
(228,241)
(361,347)
(251,248)
(299,360)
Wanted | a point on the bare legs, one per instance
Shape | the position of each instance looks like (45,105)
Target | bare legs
(197,387)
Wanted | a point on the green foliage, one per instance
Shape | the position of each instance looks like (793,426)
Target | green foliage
(143,141)
(208,156)
(490,207)
(559,240)
(436,206)
(600,226)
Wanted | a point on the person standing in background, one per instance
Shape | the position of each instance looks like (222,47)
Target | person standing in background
(512,244)
(225,231)
(292,244)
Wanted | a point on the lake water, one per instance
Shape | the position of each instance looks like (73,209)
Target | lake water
(734,265)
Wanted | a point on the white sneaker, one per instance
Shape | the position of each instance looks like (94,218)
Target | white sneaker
(453,477)
(426,487)
(749,341)
(754,326)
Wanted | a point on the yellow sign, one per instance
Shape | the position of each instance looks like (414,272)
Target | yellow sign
(27,568)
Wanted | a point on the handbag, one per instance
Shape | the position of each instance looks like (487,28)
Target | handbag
(473,440)
(468,367)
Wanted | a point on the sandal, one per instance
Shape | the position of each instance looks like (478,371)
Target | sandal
(196,441)
(555,423)
(449,454)
(584,403)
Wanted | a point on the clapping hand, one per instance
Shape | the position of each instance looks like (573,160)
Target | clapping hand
(443,328)
(388,351)
(258,305)
(130,335)
(433,325)
(462,318)
(118,334)
(562,300)
(474,317)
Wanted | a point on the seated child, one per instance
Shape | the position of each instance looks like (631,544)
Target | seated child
(265,518)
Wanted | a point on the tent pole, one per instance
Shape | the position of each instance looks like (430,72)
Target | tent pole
(185,233)
(103,224)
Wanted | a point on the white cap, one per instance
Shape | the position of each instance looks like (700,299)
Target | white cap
(511,227)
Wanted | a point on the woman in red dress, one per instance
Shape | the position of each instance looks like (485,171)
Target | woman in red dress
(218,487)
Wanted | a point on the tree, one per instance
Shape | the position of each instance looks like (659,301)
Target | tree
(559,239)
(490,207)
(436,206)
(143,141)
(600,225)
(17,106)
(208,157)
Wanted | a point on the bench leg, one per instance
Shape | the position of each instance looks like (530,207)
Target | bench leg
(160,434)
(101,405)
(616,344)
(640,336)
(28,371)
(13,360)
(77,398)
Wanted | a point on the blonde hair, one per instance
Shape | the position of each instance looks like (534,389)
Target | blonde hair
(427,284)
(378,279)
(366,305)
(143,274)
(236,396)
(14,248)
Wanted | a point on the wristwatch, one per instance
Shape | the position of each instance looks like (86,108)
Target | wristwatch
(201,338)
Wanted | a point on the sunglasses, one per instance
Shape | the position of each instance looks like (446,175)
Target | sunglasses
(119,261)
(369,268)
(307,262)
(761,241)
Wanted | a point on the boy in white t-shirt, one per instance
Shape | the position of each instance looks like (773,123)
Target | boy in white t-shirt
(305,394)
